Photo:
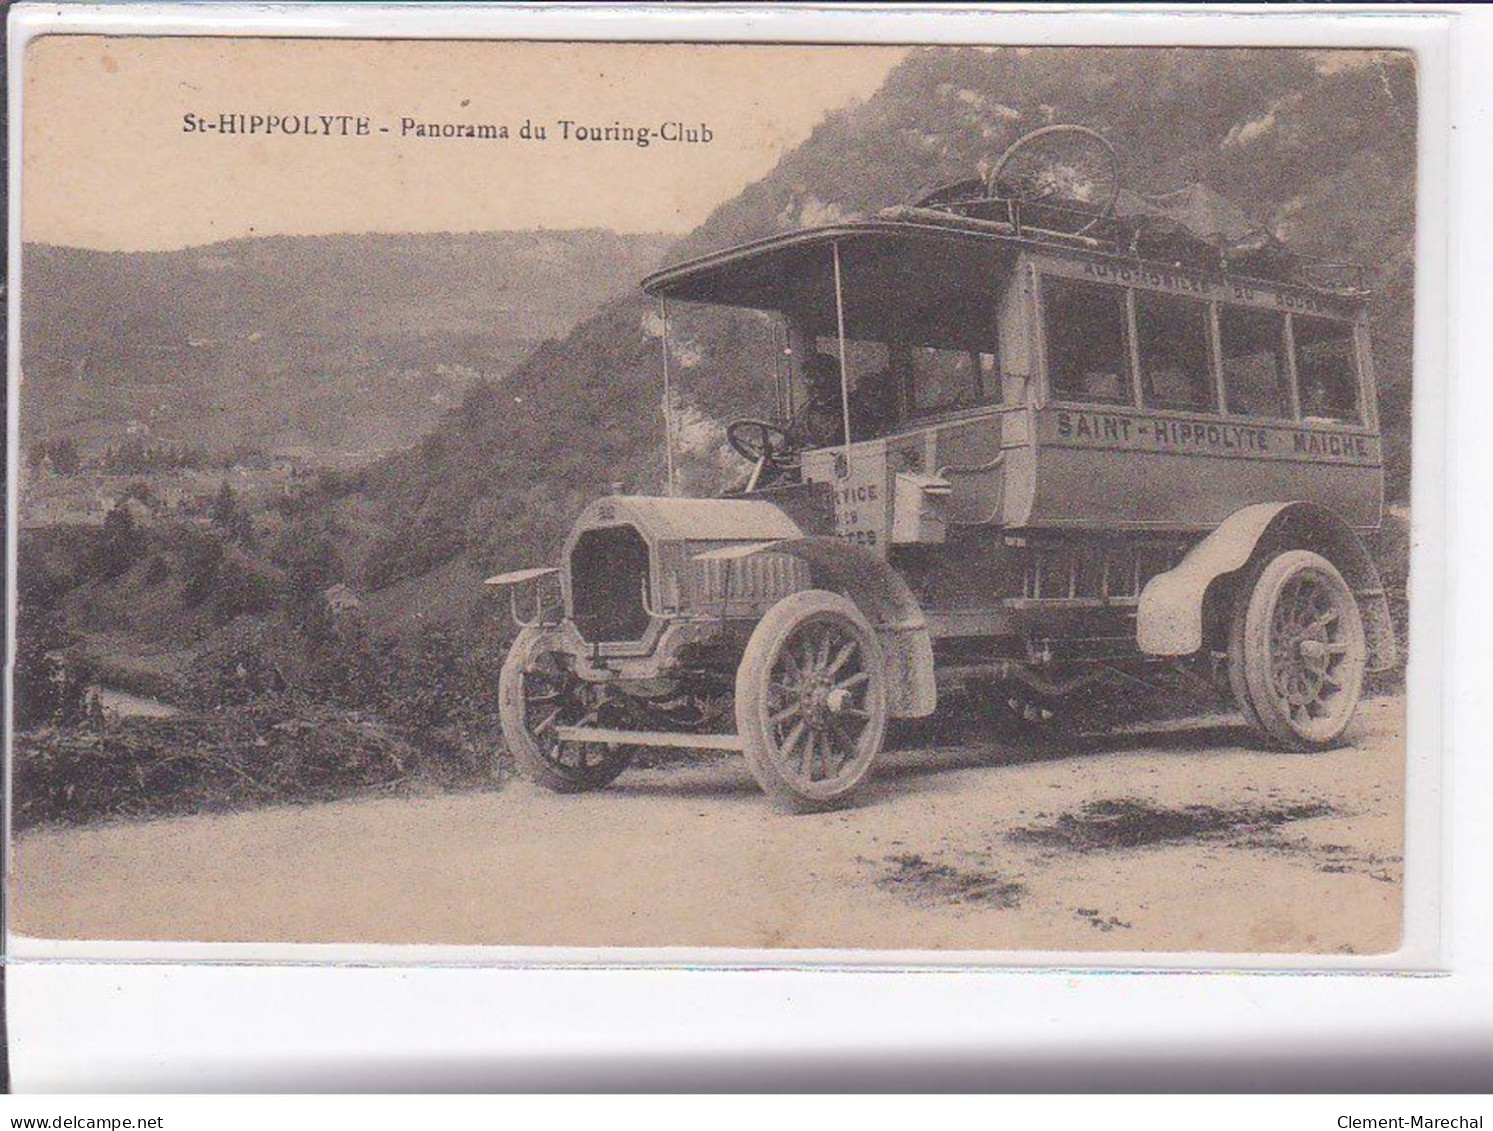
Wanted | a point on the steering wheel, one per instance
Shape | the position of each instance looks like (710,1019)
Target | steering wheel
(761,442)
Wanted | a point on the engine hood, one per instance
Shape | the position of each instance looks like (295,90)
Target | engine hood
(688,520)
(630,563)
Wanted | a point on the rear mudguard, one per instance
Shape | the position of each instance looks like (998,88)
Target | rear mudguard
(1169,618)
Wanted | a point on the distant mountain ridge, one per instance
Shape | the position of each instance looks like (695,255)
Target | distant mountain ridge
(324,344)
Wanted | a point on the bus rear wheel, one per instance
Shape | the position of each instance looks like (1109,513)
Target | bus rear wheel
(1297,651)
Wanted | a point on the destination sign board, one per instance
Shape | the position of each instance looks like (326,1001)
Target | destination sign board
(1187,434)
(1244,292)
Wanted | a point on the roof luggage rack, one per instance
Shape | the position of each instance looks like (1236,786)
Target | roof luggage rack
(1061,184)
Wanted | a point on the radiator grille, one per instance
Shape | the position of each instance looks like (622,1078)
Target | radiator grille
(758,580)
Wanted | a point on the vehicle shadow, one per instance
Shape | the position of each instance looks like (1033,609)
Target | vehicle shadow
(920,752)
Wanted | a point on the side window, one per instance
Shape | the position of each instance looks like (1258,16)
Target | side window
(1325,370)
(1176,359)
(945,379)
(1087,355)
(1256,377)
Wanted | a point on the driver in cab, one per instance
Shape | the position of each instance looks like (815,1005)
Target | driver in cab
(821,422)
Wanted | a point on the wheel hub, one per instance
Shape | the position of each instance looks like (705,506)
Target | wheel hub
(1303,649)
(822,700)
(819,713)
(1314,652)
(1301,664)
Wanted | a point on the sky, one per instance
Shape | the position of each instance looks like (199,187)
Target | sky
(109,161)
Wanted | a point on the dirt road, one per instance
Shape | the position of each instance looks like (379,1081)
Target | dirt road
(1175,838)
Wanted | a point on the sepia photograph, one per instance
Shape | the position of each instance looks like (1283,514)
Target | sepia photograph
(858,498)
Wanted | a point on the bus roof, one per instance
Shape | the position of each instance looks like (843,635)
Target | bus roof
(790,271)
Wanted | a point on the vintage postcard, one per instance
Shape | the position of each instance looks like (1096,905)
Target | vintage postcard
(732,495)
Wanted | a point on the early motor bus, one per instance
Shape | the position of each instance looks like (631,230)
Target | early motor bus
(1017,440)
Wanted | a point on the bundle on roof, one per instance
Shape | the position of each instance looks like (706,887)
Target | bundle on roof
(1062,182)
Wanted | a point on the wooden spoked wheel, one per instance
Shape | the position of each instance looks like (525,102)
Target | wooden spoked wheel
(536,696)
(811,703)
(1297,651)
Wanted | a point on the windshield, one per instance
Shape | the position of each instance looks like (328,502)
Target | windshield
(894,380)
(921,317)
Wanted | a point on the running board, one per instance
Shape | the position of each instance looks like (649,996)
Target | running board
(611,737)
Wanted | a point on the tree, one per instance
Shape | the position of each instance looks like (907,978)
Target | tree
(51,679)
(202,556)
(65,458)
(121,544)
(314,564)
(229,516)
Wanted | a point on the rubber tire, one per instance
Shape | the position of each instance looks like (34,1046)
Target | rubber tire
(754,674)
(521,743)
(1249,648)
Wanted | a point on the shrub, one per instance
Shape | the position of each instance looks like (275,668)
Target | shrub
(63,453)
(243,586)
(121,545)
(157,570)
(201,556)
(51,679)
(244,662)
(251,754)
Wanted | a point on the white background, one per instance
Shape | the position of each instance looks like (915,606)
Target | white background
(119,1026)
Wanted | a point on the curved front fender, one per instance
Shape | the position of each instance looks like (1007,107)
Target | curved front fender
(885,599)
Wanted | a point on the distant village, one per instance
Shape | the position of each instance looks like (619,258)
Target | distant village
(61,485)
